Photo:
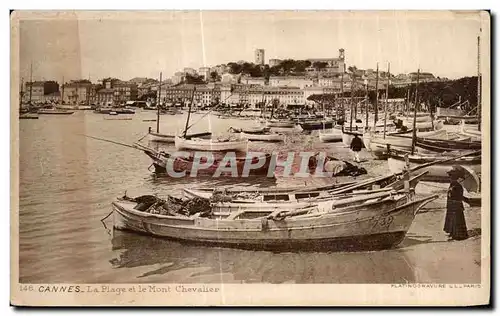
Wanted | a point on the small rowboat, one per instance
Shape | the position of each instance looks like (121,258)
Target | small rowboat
(286,195)
(211,144)
(375,225)
(268,137)
(316,125)
(401,142)
(250,130)
(470,132)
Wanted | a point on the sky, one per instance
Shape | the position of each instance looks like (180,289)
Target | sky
(124,45)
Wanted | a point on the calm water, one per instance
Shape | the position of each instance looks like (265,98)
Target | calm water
(67,184)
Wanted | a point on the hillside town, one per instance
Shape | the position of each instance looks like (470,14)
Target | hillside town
(246,84)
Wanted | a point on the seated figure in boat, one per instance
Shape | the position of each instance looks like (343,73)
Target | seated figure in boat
(455,224)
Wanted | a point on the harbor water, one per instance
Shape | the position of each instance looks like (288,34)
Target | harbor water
(68,181)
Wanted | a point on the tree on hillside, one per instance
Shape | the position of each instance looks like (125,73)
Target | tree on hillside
(234,68)
(214,76)
(352,69)
(193,79)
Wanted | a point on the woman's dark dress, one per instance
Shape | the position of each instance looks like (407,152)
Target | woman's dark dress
(455,220)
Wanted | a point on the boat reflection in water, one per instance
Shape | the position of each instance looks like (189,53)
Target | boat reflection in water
(176,262)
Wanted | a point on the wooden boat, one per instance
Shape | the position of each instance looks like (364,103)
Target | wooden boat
(267,137)
(378,224)
(316,125)
(28,116)
(109,110)
(332,135)
(397,141)
(165,138)
(470,132)
(425,126)
(211,144)
(284,193)
(280,123)
(250,130)
(181,163)
(315,194)
(437,172)
(437,145)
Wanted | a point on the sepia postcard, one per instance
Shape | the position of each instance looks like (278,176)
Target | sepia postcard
(250,158)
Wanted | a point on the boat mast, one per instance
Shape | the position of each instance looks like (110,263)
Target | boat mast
(352,98)
(31,80)
(352,88)
(375,118)
(387,96)
(407,105)
(478,111)
(342,93)
(189,110)
(158,107)
(62,91)
(366,104)
(21,93)
(414,137)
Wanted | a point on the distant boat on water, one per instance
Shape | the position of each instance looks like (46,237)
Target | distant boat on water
(54,111)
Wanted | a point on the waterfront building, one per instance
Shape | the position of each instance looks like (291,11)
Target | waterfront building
(77,92)
(261,81)
(290,81)
(39,90)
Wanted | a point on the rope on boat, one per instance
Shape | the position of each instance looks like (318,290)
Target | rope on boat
(103,219)
(143,137)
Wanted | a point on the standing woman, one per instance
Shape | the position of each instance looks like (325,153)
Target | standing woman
(454,223)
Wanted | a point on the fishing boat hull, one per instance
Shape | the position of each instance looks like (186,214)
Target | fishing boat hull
(437,172)
(210,145)
(263,137)
(280,124)
(317,125)
(378,146)
(164,138)
(161,138)
(189,167)
(378,226)
(425,126)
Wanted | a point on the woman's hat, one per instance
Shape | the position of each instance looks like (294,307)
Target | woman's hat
(457,170)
